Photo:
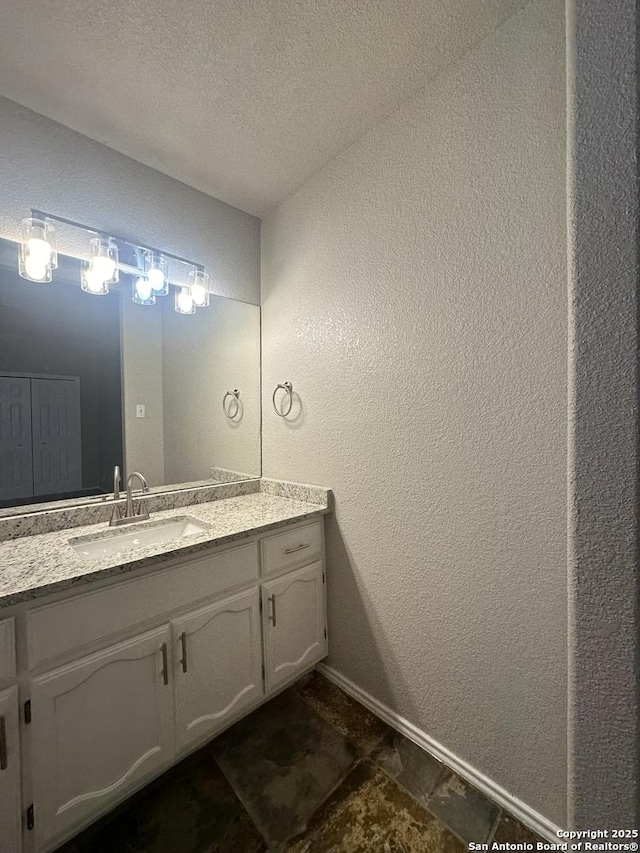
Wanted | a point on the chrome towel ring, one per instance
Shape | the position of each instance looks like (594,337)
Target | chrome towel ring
(287,387)
(231,408)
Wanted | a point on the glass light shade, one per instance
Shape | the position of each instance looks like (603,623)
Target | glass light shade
(38,256)
(91,282)
(155,266)
(184,301)
(103,263)
(143,293)
(199,287)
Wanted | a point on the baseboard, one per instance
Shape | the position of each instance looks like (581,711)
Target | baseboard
(524,813)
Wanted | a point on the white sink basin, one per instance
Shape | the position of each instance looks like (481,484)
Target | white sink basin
(136,536)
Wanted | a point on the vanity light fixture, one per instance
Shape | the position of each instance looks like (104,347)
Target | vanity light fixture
(184,301)
(152,271)
(38,256)
(199,287)
(101,269)
(155,266)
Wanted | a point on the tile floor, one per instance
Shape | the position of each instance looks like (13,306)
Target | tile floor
(312,771)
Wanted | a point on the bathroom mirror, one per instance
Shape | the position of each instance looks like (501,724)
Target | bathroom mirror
(88,382)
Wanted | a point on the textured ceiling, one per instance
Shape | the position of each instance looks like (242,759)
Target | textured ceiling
(243,99)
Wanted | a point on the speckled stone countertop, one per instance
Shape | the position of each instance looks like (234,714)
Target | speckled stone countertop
(33,566)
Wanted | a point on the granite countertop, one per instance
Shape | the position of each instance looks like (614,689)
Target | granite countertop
(33,566)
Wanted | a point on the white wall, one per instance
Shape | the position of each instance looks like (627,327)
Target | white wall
(414,292)
(604,564)
(47,166)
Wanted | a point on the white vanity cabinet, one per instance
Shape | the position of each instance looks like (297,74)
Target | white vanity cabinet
(293,612)
(121,679)
(10,812)
(99,725)
(219,672)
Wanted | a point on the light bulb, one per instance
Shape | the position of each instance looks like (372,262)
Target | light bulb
(35,267)
(94,283)
(184,301)
(102,268)
(156,278)
(143,289)
(199,294)
(39,250)
(199,286)
(156,270)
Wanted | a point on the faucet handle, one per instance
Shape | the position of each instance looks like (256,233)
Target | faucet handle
(116,514)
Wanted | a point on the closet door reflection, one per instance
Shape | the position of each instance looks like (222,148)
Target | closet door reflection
(40,436)
(16,452)
(57,456)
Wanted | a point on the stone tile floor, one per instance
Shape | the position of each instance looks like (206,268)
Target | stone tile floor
(312,771)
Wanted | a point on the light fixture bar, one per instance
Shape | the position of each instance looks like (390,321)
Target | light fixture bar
(41,214)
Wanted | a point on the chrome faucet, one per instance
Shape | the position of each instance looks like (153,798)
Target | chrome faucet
(130,513)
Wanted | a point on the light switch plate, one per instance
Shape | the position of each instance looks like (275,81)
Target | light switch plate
(141,411)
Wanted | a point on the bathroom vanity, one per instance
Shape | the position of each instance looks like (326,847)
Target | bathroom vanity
(112,672)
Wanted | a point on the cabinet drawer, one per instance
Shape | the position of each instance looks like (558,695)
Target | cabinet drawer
(295,547)
(7,649)
(57,629)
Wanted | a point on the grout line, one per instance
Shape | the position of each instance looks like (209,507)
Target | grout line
(424,804)
(357,762)
(239,799)
(365,753)
(495,826)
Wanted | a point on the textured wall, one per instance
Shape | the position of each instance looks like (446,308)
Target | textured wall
(604,652)
(414,292)
(48,166)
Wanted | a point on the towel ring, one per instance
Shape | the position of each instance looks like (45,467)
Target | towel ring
(235,394)
(288,388)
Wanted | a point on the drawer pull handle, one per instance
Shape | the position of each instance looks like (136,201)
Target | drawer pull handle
(272,599)
(3,744)
(297,548)
(165,664)
(183,643)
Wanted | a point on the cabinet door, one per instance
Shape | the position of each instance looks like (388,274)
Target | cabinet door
(219,665)
(99,725)
(294,624)
(10,817)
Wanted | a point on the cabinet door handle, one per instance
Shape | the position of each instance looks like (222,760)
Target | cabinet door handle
(272,599)
(3,744)
(183,643)
(165,664)
(297,548)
